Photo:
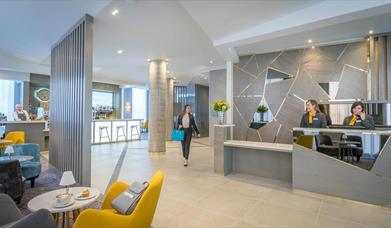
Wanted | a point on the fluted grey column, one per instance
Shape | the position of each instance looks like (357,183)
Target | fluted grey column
(157,103)
(170,107)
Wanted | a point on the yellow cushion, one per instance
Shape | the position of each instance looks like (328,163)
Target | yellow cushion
(17,137)
(108,217)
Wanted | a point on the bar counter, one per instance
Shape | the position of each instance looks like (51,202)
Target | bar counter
(33,131)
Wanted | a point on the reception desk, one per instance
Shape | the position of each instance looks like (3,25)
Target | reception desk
(314,171)
(34,131)
(270,160)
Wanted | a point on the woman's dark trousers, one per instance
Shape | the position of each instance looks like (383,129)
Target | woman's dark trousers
(186,142)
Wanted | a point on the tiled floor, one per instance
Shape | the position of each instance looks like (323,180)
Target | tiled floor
(197,197)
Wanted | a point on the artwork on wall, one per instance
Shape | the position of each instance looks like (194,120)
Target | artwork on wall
(285,80)
(42,95)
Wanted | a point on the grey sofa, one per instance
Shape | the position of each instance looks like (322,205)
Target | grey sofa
(11,181)
(11,217)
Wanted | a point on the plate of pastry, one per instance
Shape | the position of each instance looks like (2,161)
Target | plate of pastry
(85,195)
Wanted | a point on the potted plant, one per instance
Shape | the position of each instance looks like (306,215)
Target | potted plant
(220,106)
(262,109)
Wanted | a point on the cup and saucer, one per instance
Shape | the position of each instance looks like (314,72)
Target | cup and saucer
(63,200)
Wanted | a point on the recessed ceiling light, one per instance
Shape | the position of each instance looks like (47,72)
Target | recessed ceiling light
(310,41)
(206,78)
(370,32)
(119,51)
(313,47)
(149,60)
(114,12)
(211,61)
(174,78)
(368,39)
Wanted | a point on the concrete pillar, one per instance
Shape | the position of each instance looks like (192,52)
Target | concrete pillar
(382,61)
(157,102)
(170,107)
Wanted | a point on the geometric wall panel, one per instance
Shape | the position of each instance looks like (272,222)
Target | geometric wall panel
(306,88)
(269,131)
(251,67)
(288,61)
(241,80)
(355,55)
(257,86)
(241,126)
(307,68)
(353,84)
(332,51)
(284,135)
(276,92)
(247,106)
(265,60)
(290,112)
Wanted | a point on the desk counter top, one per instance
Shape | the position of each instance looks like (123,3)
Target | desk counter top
(344,130)
(286,148)
(23,122)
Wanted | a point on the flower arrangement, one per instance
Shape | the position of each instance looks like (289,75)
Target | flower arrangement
(262,109)
(220,106)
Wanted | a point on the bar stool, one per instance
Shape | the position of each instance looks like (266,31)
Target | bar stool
(136,127)
(101,131)
(123,132)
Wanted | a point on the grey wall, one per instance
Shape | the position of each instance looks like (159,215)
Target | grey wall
(198,98)
(217,91)
(306,68)
(70,111)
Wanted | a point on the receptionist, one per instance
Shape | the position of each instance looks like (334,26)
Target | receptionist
(313,118)
(359,118)
(20,114)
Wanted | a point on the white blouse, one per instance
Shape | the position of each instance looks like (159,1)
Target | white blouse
(186,121)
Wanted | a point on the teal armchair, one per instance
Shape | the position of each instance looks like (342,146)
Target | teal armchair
(30,169)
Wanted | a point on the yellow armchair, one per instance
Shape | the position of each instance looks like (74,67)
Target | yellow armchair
(17,137)
(108,217)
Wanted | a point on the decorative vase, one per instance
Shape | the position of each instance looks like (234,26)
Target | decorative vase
(221,117)
(261,116)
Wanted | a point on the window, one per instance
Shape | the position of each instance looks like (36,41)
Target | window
(139,103)
(100,98)
(7,93)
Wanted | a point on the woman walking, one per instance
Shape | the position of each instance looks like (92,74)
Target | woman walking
(187,124)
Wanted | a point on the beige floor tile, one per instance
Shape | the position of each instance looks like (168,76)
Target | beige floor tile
(227,203)
(289,199)
(333,222)
(249,190)
(273,215)
(366,214)
(242,224)
(191,216)
(197,197)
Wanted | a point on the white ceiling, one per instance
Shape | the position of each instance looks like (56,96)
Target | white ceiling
(189,33)
(222,18)
(149,30)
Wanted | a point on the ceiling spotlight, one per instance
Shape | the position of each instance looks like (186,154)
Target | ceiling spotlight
(368,39)
(370,32)
(206,78)
(174,78)
(211,61)
(149,60)
(114,12)
(313,47)
(310,41)
(119,52)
